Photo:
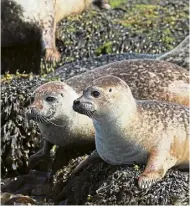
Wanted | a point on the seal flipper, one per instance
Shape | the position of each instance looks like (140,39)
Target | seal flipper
(43,153)
(48,25)
(93,156)
(156,168)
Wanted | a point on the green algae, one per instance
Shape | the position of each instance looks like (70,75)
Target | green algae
(117,3)
(104,49)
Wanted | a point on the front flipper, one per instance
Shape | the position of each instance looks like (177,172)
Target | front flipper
(93,156)
(43,153)
(158,164)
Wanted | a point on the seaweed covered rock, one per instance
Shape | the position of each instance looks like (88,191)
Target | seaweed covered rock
(103,184)
(19,139)
(133,26)
(11,199)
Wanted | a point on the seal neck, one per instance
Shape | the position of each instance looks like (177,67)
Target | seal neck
(80,120)
(124,110)
(116,120)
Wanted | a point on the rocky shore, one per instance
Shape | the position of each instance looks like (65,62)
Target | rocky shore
(131,30)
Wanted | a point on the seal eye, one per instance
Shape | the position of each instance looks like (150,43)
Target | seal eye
(95,94)
(110,90)
(50,99)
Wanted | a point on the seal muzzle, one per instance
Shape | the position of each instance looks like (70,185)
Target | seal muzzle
(83,107)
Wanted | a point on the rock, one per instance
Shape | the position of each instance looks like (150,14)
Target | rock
(19,138)
(34,182)
(103,184)
(43,189)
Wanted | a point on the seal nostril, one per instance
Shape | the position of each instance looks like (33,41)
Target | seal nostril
(76,102)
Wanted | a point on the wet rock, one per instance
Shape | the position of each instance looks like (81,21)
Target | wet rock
(34,182)
(43,189)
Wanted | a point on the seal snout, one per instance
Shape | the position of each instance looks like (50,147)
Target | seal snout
(82,106)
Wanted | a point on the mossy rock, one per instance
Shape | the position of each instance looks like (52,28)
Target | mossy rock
(133,26)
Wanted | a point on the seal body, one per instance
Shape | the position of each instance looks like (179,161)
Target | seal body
(25,21)
(129,130)
(142,130)
(148,79)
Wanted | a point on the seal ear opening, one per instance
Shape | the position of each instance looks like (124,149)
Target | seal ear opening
(110,90)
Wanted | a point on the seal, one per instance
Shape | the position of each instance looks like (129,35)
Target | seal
(58,123)
(25,21)
(129,130)
(148,79)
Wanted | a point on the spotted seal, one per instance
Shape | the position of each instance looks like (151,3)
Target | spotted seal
(24,21)
(127,130)
(52,106)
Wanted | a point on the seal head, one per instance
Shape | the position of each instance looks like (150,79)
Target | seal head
(50,100)
(58,123)
(100,98)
